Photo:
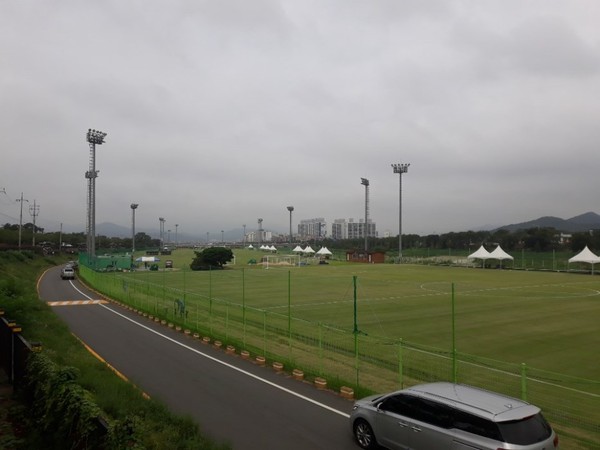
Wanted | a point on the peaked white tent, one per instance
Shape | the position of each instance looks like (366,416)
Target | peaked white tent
(324,251)
(500,254)
(481,253)
(298,249)
(308,250)
(586,256)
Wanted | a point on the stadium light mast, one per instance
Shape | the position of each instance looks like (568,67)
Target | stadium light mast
(93,137)
(133,208)
(400,169)
(176,237)
(365,183)
(290,209)
(260,221)
(161,231)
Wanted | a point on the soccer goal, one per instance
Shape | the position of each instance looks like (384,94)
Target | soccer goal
(280,260)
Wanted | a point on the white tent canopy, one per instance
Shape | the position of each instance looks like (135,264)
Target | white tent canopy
(308,249)
(586,256)
(323,251)
(481,253)
(500,254)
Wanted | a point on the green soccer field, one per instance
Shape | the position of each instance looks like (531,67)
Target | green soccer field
(548,320)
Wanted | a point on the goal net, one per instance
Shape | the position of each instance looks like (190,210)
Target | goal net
(280,260)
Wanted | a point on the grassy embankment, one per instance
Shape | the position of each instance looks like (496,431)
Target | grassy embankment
(134,422)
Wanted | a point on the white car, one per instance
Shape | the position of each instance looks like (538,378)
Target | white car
(67,273)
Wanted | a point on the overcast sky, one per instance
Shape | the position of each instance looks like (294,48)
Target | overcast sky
(222,112)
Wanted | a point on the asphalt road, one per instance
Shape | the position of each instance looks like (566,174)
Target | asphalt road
(234,400)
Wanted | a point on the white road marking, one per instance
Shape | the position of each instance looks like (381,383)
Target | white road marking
(230,366)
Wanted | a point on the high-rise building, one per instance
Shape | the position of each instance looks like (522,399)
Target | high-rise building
(342,229)
(309,229)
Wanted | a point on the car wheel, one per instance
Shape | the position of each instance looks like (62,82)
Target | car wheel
(363,433)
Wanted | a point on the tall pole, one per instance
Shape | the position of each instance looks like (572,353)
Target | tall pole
(244,237)
(93,137)
(34,211)
(260,221)
(365,183)
(176,236)
(162,232)
(400,169)
(290,209)
(21,200)
(133,208)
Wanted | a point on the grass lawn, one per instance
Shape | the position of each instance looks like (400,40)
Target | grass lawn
(548,320)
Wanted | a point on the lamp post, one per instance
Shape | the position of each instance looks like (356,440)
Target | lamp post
(93,137)
(290,209)
(400,169)
(260,221)
(365,183)
(176,237)
(133,208)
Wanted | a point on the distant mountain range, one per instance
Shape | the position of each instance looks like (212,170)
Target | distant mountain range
(583,222)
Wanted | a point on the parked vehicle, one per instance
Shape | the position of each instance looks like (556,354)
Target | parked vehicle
(67,273)
(451,417)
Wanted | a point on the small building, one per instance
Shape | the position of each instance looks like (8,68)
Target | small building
(365,257)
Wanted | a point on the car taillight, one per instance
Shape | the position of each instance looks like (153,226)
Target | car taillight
(555,442)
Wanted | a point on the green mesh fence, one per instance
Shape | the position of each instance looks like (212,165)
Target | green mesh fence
(364,362)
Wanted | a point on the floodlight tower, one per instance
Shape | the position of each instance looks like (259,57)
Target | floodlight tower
(244,237)
(93,137)
(365,183)
(260,221)
(400,169)
(161,231)
(133,208)
(176,237)
(290,209)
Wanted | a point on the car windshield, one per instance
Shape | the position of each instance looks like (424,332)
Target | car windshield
(525,431)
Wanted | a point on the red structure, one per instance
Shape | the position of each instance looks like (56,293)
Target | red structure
(365,257)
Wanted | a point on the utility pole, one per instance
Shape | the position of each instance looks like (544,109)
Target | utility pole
(21,200)
(34,211)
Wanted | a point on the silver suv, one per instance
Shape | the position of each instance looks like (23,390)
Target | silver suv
(448,416)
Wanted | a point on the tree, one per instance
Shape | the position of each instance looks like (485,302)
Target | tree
(212,257)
